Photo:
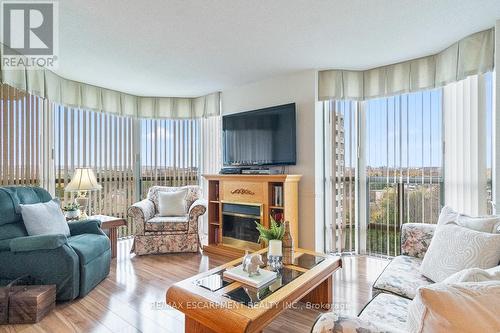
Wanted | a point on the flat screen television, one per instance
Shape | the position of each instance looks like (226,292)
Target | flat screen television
(260,137)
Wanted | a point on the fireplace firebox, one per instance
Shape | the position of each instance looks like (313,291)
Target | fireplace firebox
(238,225)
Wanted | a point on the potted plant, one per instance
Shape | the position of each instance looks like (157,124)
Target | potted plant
(71,211)
(272,237)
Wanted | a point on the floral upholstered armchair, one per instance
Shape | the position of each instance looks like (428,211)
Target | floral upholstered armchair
(154,234)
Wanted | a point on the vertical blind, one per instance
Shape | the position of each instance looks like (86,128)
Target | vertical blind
(23,135)
(210,154)
(169,152)
(105,143)
(340,169)
(465,111)
(403,165)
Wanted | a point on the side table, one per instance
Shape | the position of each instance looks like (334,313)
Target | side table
(110,223)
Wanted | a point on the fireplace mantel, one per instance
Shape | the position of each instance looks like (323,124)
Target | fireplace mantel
(277,195)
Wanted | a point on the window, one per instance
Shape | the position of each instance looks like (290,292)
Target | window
(23,138)
(403,166)
(169,152)
(104,142)
(340,171)
(393,177)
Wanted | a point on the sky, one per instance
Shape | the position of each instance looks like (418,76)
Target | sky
(405,130)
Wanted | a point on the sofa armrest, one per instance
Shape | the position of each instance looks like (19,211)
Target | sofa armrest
(141,212)
(332,322)
(85,227)
(36,243)
(416,238)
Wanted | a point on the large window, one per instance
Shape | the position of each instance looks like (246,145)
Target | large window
(340,175)
(169,152)
(104,142)
(22,134)
(383,168)
(403,166)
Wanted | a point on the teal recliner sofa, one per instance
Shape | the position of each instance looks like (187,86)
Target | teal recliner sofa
(75,264)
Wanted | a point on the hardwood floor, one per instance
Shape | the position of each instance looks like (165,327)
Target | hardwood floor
(132,298)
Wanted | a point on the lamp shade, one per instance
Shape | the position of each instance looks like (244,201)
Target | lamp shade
(83,180)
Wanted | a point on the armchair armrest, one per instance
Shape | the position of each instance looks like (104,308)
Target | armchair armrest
(35,243)
(141,212)
(85,227)
(198,208)
(416,238)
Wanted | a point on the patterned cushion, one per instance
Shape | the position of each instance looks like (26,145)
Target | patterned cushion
(387,310)
(385,313)
(402,277)
(331,322)
(416,238)
(193,193)
(168,223)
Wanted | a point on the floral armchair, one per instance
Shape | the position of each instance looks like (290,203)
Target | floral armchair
(154,234)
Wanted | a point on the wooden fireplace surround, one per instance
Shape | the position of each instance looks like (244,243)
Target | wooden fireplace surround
(252,190)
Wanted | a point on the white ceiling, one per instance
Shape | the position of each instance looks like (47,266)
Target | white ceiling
(193,47)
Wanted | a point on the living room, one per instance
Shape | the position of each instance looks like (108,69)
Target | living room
(234,166)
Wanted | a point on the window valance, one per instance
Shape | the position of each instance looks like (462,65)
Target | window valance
(44,83)
(472,55)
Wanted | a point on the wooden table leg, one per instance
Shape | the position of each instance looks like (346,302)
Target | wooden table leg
(322,294)
(193,326)
(113,238)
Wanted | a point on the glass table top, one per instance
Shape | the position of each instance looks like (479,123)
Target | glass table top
(250,296)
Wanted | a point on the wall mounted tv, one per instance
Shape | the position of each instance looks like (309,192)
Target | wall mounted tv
(260,137)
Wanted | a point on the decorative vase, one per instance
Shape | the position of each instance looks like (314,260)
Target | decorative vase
(288,245)
(72,214)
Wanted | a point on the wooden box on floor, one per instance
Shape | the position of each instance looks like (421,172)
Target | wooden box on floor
(29,304)
(4,309)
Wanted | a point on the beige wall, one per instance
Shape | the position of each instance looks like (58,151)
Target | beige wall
(299,88)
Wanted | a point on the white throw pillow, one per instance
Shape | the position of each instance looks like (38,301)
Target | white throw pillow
(486,223)
(462,307)
(447,215)
(172,203)
(44,218)
(474,275)
(454,248)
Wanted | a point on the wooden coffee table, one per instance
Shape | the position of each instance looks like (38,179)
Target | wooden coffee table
(110,223)
(215,304)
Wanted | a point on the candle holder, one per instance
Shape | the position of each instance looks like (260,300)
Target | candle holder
(275,262)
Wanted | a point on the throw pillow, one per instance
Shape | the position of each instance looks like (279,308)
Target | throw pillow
(44,218)
(486,223)
(447,215)
(172,203)
(462,307)
(454,248)
(489,223)
(474,275)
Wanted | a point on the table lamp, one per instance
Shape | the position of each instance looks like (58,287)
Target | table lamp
(83,181)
